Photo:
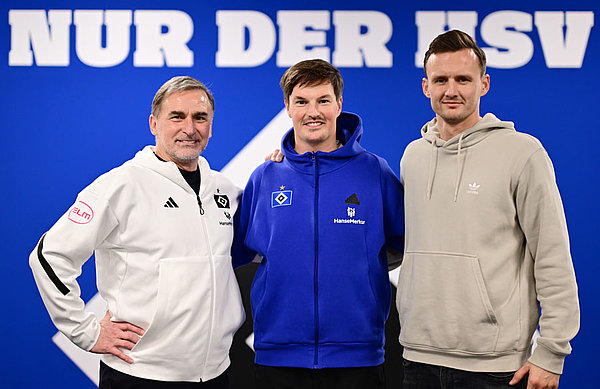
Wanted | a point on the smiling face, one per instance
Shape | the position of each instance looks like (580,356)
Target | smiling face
(182,128)
(314,111)
(455,85)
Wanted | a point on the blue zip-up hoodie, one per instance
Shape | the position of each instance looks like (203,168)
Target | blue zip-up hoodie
(321,221)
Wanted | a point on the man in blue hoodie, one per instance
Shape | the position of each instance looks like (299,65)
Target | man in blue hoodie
(321,220)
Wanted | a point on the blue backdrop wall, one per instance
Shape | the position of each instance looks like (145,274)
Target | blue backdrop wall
(78,78)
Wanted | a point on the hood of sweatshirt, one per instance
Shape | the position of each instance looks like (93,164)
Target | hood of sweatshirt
(456,145)
(147,158)
(348,133)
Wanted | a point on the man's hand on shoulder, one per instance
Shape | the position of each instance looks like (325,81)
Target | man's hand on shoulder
(538,377)
(275,156)
(115,335)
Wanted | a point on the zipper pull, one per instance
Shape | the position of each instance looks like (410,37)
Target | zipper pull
(200,205)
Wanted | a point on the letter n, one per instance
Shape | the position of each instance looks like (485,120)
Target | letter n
(49,38)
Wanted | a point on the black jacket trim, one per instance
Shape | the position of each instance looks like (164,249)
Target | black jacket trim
(51,274)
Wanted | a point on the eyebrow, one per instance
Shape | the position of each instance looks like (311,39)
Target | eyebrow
(194,114)
(200,113)
(327,95)
(454,76)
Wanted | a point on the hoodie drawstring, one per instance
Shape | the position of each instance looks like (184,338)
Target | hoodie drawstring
(459,163)
(432,168)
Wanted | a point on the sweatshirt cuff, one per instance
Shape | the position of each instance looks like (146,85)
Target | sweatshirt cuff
(547,360)
(88,346)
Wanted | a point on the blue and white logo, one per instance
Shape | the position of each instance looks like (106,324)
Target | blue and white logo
(351,211)
(281,198)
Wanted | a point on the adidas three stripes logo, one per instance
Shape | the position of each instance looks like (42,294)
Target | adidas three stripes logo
(171,203)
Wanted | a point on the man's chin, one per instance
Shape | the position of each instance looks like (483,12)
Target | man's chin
(189,152)
(453,119)
(187,157)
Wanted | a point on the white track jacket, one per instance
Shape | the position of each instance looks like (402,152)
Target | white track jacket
(163,263)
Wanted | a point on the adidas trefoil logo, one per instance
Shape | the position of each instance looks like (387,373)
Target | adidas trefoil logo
(473,188)
(171,203)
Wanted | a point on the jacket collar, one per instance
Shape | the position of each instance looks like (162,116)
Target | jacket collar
(169,170)
(348,132)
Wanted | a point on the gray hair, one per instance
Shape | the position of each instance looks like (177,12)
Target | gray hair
(177,85)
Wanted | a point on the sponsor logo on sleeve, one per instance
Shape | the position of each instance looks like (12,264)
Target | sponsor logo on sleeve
(81,213)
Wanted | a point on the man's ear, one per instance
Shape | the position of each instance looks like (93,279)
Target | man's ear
(485,84)
(425,86)
(152,122)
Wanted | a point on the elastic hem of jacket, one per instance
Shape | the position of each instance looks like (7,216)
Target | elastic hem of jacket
(476,363)
(48,269)
(330,355)
(166,369)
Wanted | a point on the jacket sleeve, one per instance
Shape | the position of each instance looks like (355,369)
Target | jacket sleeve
(240,253)
(56,263)
(542,219)
(393,214)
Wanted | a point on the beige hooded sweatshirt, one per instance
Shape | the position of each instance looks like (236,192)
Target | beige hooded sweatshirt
(486,248)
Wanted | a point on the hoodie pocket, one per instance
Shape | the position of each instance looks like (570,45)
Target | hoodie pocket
(443,304)
(179,330)
(282,305)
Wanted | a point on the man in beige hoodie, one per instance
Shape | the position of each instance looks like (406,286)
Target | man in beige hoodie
(487,257)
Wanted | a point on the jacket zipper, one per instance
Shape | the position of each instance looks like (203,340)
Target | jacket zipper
(212,270)
(200,204)
(316,269)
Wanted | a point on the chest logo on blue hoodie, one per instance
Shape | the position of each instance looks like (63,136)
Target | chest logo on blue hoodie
(281,197)
(352,199)
(352,202)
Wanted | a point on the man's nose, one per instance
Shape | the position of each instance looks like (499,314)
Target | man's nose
(312,109)
(188,125)
(451,90)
